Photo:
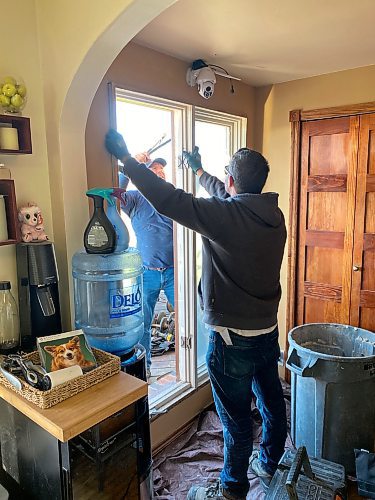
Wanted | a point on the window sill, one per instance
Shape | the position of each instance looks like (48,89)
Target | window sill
(179,393)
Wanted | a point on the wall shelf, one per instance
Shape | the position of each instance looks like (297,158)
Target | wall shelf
(7,189)
(22,124)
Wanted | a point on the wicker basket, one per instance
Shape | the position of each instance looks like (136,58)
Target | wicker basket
(108,365)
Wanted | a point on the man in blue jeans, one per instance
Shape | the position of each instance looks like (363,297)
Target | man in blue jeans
(154,234)
(243,237)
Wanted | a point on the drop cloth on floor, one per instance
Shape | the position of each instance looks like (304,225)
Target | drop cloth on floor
(196,457)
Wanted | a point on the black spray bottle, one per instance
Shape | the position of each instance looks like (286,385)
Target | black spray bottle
(100,236)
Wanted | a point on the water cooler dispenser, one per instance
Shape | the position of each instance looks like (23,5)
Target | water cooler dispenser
(108,290)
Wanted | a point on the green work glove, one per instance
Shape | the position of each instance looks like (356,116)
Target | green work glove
(115,144)
(193,159)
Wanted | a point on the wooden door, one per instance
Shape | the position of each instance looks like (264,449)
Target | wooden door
(362,310)
(326,220)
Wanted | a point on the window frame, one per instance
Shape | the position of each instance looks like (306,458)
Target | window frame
(192,376)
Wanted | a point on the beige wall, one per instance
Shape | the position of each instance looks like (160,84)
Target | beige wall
(273,129)
(144,70)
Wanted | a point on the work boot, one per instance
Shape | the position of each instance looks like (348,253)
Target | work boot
(214,492)
(257,468)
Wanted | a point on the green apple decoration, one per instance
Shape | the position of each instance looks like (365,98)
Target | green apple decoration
(4,101)
(8,89)
(13,94)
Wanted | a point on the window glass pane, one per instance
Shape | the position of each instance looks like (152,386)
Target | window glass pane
(142,126)
(213,141)
(147,126)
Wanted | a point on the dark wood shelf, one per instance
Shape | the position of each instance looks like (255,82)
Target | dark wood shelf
(22,124)
(8,242)
(7,189)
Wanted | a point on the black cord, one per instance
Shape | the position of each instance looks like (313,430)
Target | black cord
(226,72)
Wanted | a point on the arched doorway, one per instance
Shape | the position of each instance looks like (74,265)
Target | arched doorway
(71,208)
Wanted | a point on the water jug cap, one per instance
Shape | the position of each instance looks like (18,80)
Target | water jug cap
(5,285)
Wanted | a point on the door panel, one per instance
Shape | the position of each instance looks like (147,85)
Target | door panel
(324,148)
(321,311)
(362,312)
(322,211)
(324,265)
(326,219)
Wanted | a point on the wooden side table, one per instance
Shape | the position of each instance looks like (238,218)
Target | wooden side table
(89,446)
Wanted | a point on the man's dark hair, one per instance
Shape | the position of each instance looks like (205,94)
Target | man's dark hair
(249,170)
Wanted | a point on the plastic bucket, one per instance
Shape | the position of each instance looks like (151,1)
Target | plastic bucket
(332,390)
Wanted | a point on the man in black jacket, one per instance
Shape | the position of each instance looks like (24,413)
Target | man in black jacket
(243,234)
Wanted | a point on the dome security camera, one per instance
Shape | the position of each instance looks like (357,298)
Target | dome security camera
(206,82)
(203,75)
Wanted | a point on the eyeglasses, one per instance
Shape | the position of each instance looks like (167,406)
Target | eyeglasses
(227,171)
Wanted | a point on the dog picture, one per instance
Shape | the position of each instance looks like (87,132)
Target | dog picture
(66,355)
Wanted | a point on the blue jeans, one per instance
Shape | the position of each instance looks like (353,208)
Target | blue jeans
(153,282)
(250,363)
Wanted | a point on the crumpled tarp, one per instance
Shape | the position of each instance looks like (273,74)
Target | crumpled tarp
(196,456)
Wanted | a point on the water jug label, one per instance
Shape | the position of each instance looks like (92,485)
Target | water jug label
(125,302)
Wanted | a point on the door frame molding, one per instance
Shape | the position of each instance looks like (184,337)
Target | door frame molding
(296,117)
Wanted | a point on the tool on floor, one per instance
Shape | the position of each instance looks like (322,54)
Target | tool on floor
(298,478)
(163,333)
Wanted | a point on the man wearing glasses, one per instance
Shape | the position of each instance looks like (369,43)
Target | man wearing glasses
(243,236)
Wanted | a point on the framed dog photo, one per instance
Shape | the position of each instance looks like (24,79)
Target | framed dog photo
(64,350)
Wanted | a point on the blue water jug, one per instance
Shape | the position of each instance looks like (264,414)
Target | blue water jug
(108,293)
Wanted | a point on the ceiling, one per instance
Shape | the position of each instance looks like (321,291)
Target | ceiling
(267,41)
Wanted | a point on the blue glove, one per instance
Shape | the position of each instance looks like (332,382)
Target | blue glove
(115,144)
(193,159)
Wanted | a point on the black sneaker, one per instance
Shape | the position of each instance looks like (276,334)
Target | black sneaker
(213,492)
(257,468)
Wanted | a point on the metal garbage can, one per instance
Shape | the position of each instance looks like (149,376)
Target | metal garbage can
(332,390)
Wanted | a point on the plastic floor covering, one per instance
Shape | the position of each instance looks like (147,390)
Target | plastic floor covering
(196,456)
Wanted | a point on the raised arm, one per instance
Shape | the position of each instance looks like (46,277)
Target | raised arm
(194,213)
(213,185)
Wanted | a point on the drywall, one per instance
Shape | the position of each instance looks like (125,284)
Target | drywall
(272,135)
(144,70)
